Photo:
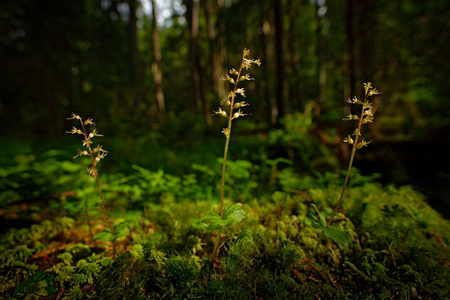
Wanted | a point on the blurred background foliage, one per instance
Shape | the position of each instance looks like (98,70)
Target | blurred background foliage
(147,71)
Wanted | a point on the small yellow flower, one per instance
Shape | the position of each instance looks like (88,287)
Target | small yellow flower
(221,112)
(240,104)
(87,142)
(89,121)
(74,117)
(367,87)
(240,91)
(224,102)
(246,77)
(349,140)
(238,114)
(228,78)
(350,117)
(226,132)
(75,130)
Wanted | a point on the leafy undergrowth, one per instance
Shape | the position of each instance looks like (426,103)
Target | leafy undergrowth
(398,244)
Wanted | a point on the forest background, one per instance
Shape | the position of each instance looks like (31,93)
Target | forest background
(148,73)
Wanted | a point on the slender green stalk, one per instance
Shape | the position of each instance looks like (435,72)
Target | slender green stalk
(95,155)
(227,144)
(224,163)
(338,205)
(107,219)
(88,216)
(245,64)
(365,117)
(95,173)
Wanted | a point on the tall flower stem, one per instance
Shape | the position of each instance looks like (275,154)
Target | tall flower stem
(338,205)
(95,155)
(364,117)
(231,115)
(95,174)
(224,163)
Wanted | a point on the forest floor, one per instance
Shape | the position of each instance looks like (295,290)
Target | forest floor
(56,244)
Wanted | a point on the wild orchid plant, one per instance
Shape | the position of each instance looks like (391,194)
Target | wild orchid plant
(230,109)
(96,155)
(358,142)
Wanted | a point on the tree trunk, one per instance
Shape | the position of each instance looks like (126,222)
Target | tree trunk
(222,49)
(195,63)
(267,58)
(321,71)
(280,90)
(350,85)
(156,65)
(214,80)
(134,55)
(366,34)
(294,59)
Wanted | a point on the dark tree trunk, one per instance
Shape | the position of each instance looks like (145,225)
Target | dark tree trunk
(156,65)
(267,57)
(221,49)
(134,55)
(280,90)
(350,85)
(321,72)
(214,80)
(195,61)
(294,59)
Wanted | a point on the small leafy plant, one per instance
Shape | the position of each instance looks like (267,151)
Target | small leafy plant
(358,142)
(234,213)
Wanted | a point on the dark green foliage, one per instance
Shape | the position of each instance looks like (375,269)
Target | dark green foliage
(397,243)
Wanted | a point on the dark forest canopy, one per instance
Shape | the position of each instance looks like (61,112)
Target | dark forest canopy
(99,57)
(154,71)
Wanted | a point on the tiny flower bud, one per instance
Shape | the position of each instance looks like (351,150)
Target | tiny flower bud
(368,119)
(368,112)
(240,104)
(238,114)
(367,105)
(353,100)
(246,77)
(221,113)
(241,91)
(348,117)
(89,121)
(349,140)
(226,132)
(228,78)
(224,102)
(367,86)
(74,117)
(375,91)
(87,142)
(92,172)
